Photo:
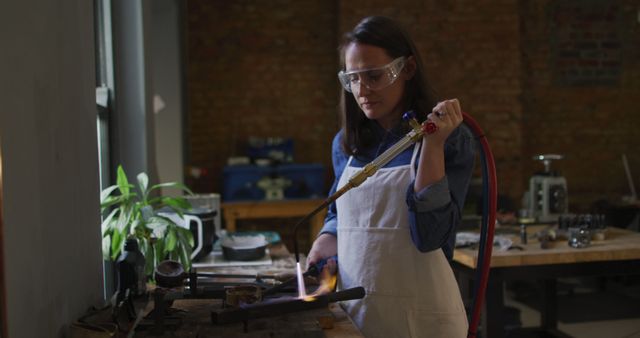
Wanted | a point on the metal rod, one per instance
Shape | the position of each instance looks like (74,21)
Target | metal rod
(231,275)
(281,306)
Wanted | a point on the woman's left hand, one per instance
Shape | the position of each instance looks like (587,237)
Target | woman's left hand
(447,116)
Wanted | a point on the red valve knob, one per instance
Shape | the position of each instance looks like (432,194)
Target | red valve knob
(429,128)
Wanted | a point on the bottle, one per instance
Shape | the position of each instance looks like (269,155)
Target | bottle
(130,268)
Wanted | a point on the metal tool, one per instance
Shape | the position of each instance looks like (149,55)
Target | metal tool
(547,196)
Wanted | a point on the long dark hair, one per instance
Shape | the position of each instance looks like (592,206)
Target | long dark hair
(385,33)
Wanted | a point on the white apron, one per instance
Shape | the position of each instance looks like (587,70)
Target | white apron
(408,293)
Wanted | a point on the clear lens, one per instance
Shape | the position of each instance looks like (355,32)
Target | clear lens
(373,79)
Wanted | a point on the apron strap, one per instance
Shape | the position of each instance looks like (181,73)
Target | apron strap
(349,161)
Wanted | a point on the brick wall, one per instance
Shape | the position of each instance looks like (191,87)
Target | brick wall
(258,68)
(263,69)
(581,92)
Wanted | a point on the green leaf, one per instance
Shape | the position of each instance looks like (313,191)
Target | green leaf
(170,240)
(185,257)
(159,253)
(189,236)
(144,245)
(176,185)
(147,252)
(182,202)
(122,181)
(185,238)
(143,183)
(158,226)
(109,201)
(106,247)
(146,212)
(106,192)
(123,218)
(176,203)
(173,256)
(106,224)
(134,226)
(116,244)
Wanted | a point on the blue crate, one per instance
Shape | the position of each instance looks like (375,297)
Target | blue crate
(241,181)
(273,148)
(307,180)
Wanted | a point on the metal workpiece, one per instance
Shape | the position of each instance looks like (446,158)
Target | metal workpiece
(281,306)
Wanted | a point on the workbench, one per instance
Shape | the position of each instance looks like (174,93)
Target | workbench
(618,254)
(234,211)
(196,313)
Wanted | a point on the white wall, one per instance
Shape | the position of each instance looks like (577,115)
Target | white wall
(50,170)
(167,80)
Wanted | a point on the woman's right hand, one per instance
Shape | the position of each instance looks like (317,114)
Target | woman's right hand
(326,245)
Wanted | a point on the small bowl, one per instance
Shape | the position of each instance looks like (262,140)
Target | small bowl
(243,248)
(169,274)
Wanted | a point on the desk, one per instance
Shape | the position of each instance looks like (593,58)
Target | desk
(618,254)
(234,211)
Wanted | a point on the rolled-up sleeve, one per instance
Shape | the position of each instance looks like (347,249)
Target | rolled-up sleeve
(435,211)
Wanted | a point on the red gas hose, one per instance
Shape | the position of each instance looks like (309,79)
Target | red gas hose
(492,183)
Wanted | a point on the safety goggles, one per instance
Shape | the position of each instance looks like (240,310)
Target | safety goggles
(374,78)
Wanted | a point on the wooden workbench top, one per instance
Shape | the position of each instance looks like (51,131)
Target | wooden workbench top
(619,244)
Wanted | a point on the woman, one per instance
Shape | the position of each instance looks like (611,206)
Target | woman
(394,234)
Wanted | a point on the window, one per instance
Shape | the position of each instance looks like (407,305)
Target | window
(104,103)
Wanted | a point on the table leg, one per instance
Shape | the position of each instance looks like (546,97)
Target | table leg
(549,313)
(492,319)
(230,221)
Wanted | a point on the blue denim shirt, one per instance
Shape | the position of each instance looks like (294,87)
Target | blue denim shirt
(435,211)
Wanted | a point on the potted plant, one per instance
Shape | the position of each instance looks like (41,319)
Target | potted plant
(137,213)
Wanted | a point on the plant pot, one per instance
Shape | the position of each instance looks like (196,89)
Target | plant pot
(169,274)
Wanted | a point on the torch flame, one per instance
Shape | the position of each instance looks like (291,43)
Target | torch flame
(327,284)
(302,290)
